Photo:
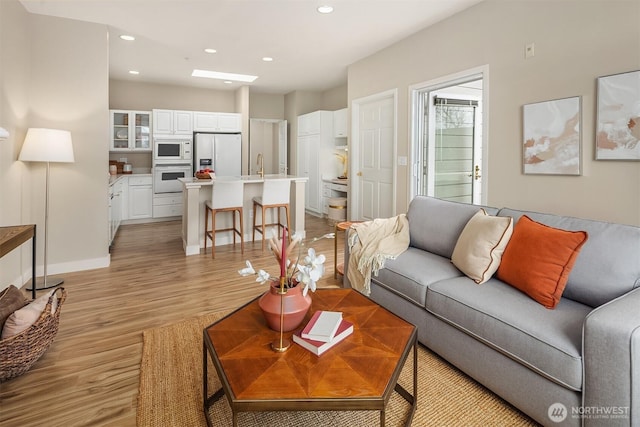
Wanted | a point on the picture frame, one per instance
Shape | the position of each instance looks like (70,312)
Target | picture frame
(552,137)
(618,117)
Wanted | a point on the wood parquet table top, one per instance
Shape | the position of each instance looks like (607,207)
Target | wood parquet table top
(366,365)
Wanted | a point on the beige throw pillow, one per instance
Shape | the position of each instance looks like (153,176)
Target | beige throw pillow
(11,299)
(22,319)
(481,244)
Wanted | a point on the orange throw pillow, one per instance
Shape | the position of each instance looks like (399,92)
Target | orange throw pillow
(539,258)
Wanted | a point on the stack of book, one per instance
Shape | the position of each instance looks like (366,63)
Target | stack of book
(324,330)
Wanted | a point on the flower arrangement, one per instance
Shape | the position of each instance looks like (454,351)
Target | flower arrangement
(306,271)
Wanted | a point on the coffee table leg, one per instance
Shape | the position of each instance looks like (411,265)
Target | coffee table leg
(205,388)
(207,400)
(382,418)
(412,399)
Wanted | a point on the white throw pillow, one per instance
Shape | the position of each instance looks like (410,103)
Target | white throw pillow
(481,244)
(23,318)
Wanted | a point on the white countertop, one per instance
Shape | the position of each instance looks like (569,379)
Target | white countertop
(191,182)
(114,178)
(336,181)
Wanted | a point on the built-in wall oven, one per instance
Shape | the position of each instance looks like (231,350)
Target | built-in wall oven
(165,176)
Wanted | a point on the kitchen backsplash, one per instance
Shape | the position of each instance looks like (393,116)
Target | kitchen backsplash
(140,162)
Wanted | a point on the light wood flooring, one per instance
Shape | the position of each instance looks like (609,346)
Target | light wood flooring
(89,376)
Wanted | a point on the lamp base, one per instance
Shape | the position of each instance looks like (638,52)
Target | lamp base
(47,283)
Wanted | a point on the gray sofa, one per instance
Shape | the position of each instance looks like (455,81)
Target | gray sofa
(583,354)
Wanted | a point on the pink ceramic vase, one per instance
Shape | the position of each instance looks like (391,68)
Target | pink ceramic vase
(296,307)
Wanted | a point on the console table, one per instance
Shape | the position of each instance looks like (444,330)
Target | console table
(13,236)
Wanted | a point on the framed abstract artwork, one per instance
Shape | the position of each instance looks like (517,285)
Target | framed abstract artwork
(618,123)
(552,137)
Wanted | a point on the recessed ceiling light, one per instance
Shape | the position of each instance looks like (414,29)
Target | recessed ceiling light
(224,76)
(267,59)
(325,9)
(228,82)
(134,72)
(209,50)
(127,37)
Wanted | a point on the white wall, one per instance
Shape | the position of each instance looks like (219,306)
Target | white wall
(128,95)
(575,42)
(15,65)
(266,106)
(61,71)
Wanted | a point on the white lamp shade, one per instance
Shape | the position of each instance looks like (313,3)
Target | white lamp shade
(47,145)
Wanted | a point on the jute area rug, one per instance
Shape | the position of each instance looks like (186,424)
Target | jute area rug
(170,391)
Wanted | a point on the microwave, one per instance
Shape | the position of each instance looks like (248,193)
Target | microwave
(172,149)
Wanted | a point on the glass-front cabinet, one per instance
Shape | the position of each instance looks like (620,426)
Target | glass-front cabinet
(130,130)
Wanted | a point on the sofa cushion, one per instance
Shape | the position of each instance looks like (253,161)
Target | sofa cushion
(434,224)
(546,341)
(609,262)
(481,244)
(410,273)
(539,258)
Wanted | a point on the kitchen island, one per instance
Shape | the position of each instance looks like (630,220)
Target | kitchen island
(196,192)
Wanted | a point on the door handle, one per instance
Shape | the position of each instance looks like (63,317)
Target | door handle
(359,174)
(476,175)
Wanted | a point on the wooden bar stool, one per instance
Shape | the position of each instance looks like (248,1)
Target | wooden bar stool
(275,195)
(226,196)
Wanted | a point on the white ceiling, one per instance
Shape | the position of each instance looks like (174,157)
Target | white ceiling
(311,51)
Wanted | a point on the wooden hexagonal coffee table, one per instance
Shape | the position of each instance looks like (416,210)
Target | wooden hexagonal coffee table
(359,373)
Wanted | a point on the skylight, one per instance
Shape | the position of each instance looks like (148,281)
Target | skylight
(223,76)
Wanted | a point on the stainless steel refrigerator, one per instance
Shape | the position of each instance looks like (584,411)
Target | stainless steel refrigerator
(221,152)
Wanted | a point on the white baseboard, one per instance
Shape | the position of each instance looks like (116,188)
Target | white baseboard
(72,266)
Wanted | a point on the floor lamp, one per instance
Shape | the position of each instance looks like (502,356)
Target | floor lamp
(47,145)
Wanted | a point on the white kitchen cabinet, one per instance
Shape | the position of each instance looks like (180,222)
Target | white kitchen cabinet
(330,189)
(311,123)
(172,122)
(130,130)
(163,122)
(315,149)
(307,167)
(183,122)
(204,121)
(140,200)
(167,205)
(326,194)
(115,207)
(340,120)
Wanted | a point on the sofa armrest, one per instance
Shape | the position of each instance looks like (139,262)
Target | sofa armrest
(611,356)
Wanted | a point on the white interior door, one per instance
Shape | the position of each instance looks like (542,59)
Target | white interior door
(373,170)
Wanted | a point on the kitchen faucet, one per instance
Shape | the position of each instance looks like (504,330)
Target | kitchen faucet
(261,164)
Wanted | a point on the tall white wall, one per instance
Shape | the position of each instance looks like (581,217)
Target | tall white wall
(57,77)
(575,42)
(15,66)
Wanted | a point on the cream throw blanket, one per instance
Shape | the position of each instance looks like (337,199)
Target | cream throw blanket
(371,243)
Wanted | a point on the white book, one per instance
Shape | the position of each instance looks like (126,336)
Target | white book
(322,326)
(319,347)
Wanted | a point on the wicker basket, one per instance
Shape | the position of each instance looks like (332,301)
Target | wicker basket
(19,352)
